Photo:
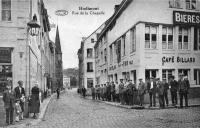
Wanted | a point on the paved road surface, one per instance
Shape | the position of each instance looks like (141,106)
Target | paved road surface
(71,111)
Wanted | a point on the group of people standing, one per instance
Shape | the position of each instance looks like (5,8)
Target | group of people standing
(128,93)
(14,102)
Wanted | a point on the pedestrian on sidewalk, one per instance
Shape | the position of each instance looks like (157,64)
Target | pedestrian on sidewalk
(166,88)
(93,92)
(9,104)
(35,101)
(18,110)
(160,91)
(84,91)
(117,91)
(112,91)
(141,91)
(104,92)
(173,84)
(121,87)
(152,87)
(183,87)
(58,92)
(20,94)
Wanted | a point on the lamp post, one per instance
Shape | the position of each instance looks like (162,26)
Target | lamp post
(34,27)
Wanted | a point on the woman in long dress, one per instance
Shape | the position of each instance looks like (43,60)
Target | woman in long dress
(35,100)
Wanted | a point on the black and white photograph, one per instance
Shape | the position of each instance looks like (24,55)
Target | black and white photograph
(99,63)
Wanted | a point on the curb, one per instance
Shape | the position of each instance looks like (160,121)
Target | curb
(34,122)
(142,108)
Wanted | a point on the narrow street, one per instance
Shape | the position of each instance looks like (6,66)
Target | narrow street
(72,111)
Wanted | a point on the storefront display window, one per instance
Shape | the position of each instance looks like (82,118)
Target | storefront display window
(166,74)
(90,82)
(5,76)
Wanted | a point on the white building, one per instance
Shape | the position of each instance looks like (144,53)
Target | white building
(158,38)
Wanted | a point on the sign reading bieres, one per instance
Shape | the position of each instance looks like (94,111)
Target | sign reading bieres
(186,18)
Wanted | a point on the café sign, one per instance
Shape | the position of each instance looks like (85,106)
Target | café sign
(186,18)
(178,59)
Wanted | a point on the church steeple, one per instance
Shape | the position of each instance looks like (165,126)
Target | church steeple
(57,42)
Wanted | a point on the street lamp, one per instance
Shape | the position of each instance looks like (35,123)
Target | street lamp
(34,26)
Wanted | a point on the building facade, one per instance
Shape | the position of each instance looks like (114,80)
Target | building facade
(23,54)
(87,59)
(151,39)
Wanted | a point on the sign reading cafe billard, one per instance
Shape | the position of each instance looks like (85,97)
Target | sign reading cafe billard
(186,18)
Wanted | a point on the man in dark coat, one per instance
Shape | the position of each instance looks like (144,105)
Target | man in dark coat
(108,91)
(130,92)
(173,89)
(141,91)
(183,87)
(58,92)
(166,87)
(9,103)
(20,94)
(113,91)
(93,92)
(151,87)
(121,87)
(160,90)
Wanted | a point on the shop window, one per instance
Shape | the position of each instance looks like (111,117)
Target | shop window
(151,37)
(185,72)
(191,4)
(89,67)
(5,76)
(133,40)
(90,82)
(133,76)
(124,45)
(166,74)
(196,39)
(150,73)
(183,38)
(197,76)
(111,53)
(89,52)
(6,10)
(167,38)
(175,3)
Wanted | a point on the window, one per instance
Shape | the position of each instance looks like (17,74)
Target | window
(115,52)
(124,45)
(191,4)
(185,72)
(175,3)
(111,54)
(6,10)
(196,39)
(92,40)
(105,55)
(97,52)
(151,37)
(89,67)
(102,56)
(197,76)
(133,40)
(89,52)
(183,38)
(167,38)
(90,82)
(166,74)
(118,51)
(150,73)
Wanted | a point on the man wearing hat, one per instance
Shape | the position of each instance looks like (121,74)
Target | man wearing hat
(141,91)
(9,104)
(151,87)
(20,94)
(121,87)
(183,87)
(173,84)
(160,90)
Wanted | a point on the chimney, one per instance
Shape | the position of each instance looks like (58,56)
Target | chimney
(116,7)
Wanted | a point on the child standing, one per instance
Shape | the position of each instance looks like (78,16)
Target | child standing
(18,110)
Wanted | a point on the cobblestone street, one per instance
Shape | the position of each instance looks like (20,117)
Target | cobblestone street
(71,111)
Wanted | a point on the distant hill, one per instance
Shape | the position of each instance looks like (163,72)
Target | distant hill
(72,73)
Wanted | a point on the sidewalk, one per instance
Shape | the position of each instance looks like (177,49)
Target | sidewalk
(195,102)
(30,121)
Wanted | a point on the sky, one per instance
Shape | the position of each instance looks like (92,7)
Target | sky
(72,27)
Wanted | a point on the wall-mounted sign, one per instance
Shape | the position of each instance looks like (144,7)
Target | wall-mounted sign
(178,59)
(5,55)
(186,18)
